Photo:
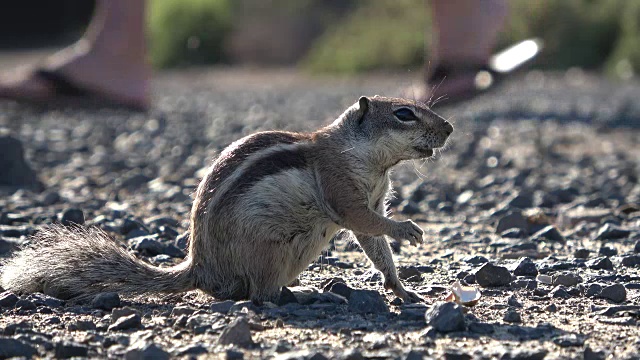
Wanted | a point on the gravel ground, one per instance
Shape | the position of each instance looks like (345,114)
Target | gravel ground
(535,202)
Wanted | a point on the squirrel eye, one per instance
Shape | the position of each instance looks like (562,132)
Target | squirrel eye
(404,114)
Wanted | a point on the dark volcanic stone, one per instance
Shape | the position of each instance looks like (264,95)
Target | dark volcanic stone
(147,245)
(106,301)
(603,263)
(72,216)
(593,290)
(222,307)
(525,354)
(24,304)
(367,301)
(636,248)
(66,349)
(456,354)
(560,292)
(631,260)
(409,273)
(567,279)
(568,340)
(147,352)
(522,201)
(550,233)
(286,297)
(10,348)
(525,267)
(8,299)
(475,260)
(512,316)
(341,289)
(236,333)
(514,233)
(513,219)
(481,328)
(14,170)
(590,354)
(445,317)
(616,293)
(581,254)
(610,232)
(492,275)
(608,251)
(132,321)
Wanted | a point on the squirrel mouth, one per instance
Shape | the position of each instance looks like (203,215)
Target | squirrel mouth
(424,151)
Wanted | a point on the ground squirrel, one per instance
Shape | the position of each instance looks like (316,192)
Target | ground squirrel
(268,206)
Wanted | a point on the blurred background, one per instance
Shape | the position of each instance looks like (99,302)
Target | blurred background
(336,36)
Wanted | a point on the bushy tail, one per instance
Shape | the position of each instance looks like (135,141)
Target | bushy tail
(78,263)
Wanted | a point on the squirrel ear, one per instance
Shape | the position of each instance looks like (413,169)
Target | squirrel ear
(364,106)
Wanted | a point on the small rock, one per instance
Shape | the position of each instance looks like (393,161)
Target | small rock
(222,307)
(602,263)
(456,354)
(414,355)
(82,325)
(616,293)
(8,300)
(636,248)
(560,292)
(121,312)
(610,232)
(513,301)
(72,216)
(182,241)
(445,317)
(236,333)
(525,354)
(286,297)
(192,350)
(512,316)
(549,233)
(232,354)
(475,260)
(525,267)
(409,273)
(630,260)
(513,219)
(10,348)
(147,352)
(568,340)
(367,301)
(590,354)
(608,251)
(182,310)
(581,253)
(551,308)
(492,275)
(341,289)
(514,233)
(106,301)
(593,290)
(24,304)
(67,349)
(567,279)
(147,245)
(132,321)
(481,328)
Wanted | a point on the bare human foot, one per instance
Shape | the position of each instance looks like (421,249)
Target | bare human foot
(97,72)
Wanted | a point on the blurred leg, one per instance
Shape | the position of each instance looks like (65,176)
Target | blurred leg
(465,34)
(466,30)
(110,59)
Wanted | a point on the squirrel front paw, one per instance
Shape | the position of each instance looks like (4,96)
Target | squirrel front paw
(407,230)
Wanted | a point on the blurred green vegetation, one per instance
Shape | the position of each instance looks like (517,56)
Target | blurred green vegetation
(188,32)
(390,34)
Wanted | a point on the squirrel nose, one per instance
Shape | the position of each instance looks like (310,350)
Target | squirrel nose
(448,128)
